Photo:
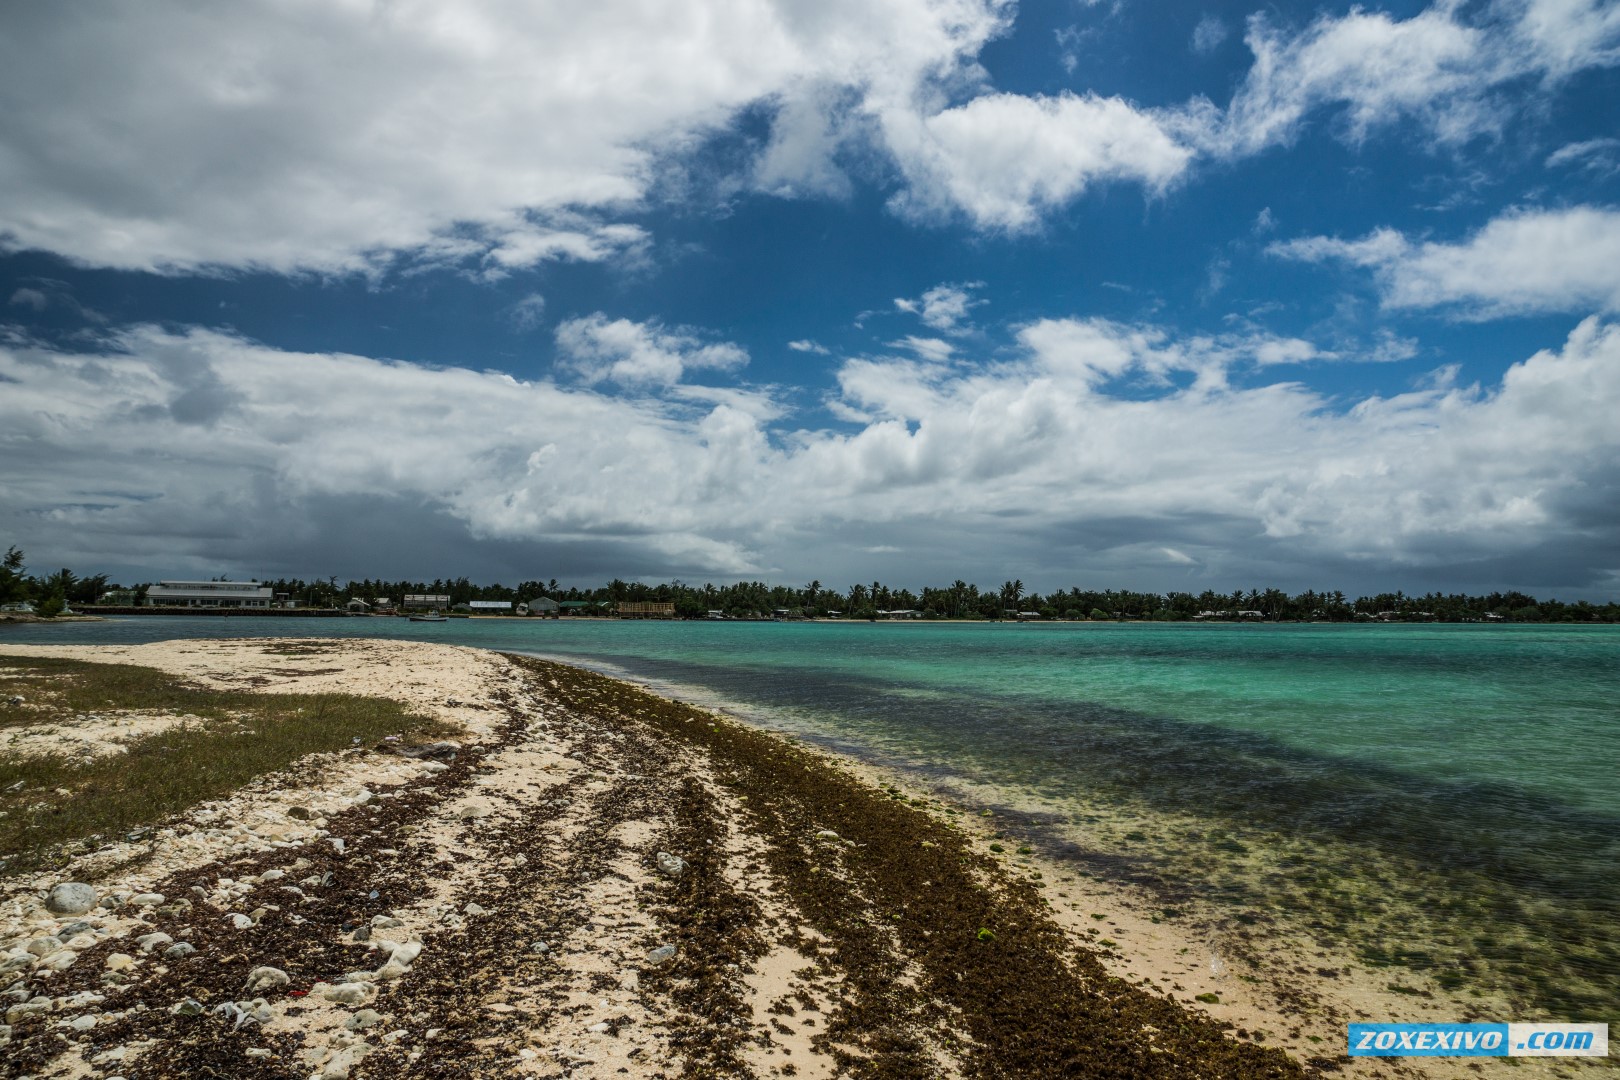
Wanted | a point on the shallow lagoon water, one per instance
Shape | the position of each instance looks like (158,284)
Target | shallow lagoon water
(1443,798)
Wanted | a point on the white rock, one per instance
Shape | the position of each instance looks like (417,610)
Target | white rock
(148,942)
(363,1019)
(147,899)
(119,961)
(599,1029)
(44,946)
(83,1023)
(59,961)
(26,1009)
(391,970)
(70,898)
(349,993)
(670,865)
(240,921)
(266,978)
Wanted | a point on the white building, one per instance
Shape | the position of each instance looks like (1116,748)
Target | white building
(490,607)
(208,594)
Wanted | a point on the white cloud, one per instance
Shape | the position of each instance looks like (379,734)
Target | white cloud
(529,312)
(1378,69)
(937,350)
(1448,68)
(1593,155)
(944,307)
(597,348)
(1208,34)
(1004,160)
(289,135)
(1522,263)
(806,345)
(1018,456)
(32,298)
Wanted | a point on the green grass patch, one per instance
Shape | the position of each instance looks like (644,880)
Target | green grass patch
(234,737)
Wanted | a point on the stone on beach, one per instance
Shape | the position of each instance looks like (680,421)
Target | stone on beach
(662,954)
(71,898)
(265,978)
(670,865)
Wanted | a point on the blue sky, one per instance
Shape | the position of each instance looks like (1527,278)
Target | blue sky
(1111,294)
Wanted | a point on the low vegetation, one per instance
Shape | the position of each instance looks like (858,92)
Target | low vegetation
(50,805)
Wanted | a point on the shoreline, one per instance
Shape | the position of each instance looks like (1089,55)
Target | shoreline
(536,732)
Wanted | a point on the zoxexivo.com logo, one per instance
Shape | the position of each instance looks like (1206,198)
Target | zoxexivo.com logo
(1479,1040)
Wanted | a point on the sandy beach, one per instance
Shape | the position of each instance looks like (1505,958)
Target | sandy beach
(591,881)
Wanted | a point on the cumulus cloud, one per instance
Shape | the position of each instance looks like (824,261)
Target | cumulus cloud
(1521,263)
(809,346)
(287,135)
(161,448)
(634,354)
(1003,160)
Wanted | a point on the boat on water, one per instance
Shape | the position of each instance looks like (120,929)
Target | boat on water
(435,617)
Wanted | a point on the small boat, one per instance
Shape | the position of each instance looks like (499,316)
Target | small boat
(435,617)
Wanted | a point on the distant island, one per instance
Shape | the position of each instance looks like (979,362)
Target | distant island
(53,594)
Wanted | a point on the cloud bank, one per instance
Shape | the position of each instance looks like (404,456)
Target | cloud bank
(1098,444)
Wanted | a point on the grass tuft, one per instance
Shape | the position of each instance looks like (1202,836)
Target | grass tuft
(49,804)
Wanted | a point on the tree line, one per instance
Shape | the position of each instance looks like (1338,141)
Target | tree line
(960,599)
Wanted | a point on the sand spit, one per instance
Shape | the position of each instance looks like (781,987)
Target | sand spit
(592,882)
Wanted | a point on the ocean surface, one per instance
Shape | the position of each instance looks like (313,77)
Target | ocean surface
(1433,799)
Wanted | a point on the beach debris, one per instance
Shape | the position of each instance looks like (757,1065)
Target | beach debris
(384,922)
(986,934)
(266,978)
(239,921)
(1217,966)
(662,954)
(475,809)
(539,947)
(475,909)
(149,942)
(828,834)
(188,1007)
(118,961)
(439,751)
(179,950)
(670,865)
(70,898)
(147,899)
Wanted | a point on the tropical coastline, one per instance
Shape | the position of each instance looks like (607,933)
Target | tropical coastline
(819,909)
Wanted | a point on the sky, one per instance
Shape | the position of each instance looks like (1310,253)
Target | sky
(1118,294)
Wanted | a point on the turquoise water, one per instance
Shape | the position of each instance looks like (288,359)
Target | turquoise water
(1441,797)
